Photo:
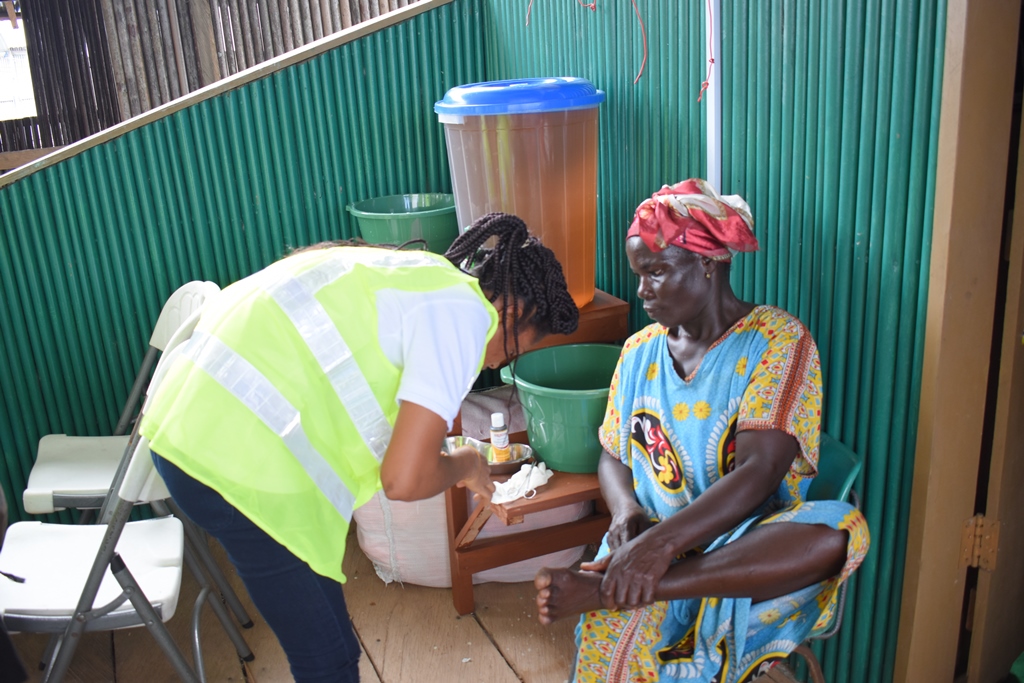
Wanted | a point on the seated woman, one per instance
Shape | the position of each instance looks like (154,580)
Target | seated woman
(714,566)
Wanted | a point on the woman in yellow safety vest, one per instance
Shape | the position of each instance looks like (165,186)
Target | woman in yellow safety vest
(334,372)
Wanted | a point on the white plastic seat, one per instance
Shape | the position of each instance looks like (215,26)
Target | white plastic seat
(69,579)
(77,470)
(49,557)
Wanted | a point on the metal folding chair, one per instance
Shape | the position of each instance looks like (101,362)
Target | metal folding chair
(69,579)
(78,471)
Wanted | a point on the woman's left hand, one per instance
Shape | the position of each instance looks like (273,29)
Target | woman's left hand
(631,572)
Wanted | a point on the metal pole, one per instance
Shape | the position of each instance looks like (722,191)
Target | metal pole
(713,50)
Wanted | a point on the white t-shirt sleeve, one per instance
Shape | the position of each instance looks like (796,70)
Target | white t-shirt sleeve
(440,340)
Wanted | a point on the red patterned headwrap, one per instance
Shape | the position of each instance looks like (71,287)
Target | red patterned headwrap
(692,215)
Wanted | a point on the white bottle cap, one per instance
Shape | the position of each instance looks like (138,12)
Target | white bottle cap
(497,420)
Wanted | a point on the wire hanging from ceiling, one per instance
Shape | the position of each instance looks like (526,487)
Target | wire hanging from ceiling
(592,6)
(711,54)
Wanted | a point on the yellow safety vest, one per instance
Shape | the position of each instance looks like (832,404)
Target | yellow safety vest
(282,400)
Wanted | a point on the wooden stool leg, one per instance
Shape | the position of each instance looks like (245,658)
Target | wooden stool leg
(462,592)
(462,583)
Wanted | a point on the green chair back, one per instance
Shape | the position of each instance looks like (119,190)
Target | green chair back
(838,466)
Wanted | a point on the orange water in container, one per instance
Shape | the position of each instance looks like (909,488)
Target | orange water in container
(540,166)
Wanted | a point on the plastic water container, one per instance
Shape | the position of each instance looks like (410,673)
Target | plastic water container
(529,147)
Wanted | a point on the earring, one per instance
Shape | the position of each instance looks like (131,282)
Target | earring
(707,275)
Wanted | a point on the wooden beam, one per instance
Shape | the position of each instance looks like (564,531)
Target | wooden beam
(9,160)
(970,186)
(9,5)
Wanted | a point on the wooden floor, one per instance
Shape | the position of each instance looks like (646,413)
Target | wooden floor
(409,634)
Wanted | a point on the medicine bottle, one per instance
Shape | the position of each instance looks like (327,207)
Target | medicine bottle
(500,449)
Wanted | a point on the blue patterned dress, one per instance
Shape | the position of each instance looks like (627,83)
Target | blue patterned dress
(678,438)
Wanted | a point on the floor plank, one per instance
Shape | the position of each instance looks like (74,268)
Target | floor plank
(409,634)
(93,661)
(412,634)
(137,660)
(537,653)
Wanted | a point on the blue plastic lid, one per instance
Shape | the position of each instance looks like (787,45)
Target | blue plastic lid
(523,96)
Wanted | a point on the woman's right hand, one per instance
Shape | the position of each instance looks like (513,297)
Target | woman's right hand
(626,525)
(477,476)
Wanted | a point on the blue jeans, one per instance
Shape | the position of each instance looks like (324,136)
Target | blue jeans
(305,610)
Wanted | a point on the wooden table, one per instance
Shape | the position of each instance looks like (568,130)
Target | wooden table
(605,319)
(467,555)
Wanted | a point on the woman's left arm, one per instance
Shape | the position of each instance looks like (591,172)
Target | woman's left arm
(414,467)
(632,572)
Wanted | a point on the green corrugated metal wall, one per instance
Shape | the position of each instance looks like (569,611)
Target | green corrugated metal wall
(831,114)
(830,120)
(91,247)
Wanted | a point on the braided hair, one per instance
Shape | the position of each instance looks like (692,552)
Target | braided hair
(519,270)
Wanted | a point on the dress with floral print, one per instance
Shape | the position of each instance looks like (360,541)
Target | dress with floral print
(678,435)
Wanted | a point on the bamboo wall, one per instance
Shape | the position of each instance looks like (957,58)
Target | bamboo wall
(163,49)
(96,63)
(71,79)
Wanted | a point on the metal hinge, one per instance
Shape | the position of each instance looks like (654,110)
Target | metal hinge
(979,543)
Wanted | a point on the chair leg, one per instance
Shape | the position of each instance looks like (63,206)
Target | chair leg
(154,623)
(194,536)
(813,665)
(51,648)
(197,645)
(61,649)
(241,647)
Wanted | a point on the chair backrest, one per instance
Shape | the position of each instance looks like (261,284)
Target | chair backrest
(179,306)
(185,300)
(838,467)
(143,484)
(174,346)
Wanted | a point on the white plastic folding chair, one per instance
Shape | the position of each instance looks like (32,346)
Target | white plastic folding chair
(49,553)
(82,471)
(69,579)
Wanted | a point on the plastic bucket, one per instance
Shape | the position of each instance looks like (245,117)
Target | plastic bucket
(529,147)
(564,394)
(399,218)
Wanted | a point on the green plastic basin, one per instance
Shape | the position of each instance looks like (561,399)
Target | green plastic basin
(399,218)
(564,393)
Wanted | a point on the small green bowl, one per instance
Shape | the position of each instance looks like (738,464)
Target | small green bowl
(399,218)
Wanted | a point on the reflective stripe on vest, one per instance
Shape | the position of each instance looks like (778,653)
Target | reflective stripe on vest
(256,393)
(297,298)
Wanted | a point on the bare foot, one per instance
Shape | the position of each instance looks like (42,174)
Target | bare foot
(564,593)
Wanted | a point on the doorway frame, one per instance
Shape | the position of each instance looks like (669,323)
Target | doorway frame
(970,185)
